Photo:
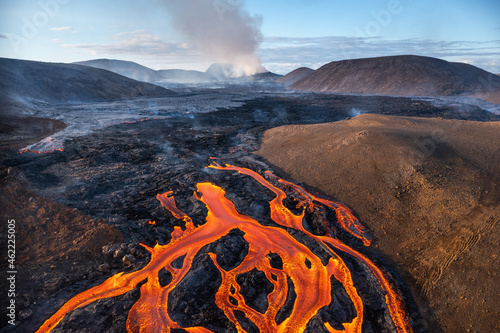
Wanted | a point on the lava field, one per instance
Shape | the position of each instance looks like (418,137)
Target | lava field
(164,181)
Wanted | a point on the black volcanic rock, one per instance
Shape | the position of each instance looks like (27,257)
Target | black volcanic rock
(401,75)
(115,173)
(295,75)
(24,82)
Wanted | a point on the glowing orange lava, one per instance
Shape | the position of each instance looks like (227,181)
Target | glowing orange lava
(29,151)
(48,140)
(311,278)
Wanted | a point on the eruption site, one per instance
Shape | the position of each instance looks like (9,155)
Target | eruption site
(304,285)
(221,30)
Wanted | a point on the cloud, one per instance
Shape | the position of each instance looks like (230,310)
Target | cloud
(493,63)
(3,36)
(138,43)
(284,54)
(62,29)
(279,51)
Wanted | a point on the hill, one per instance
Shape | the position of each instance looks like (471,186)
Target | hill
(224,72)
(126,68)
(220,71)
(266,77)
(142,73)
(180,76)
(26,82)
(428,191)
(295,75)
(401,75)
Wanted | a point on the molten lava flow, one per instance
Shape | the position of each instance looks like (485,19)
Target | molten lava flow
(45,146)
(310,276)
(347,221)
(29,151)
(345,217)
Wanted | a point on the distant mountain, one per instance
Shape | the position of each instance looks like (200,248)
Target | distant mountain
(266,77)
(401,75)
(179,76)
(215,73)
(126,68)
(223,72)
(142,73)
(220,71)
(295,75)
(26,82)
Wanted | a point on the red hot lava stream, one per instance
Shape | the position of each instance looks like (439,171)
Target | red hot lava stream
(311,278)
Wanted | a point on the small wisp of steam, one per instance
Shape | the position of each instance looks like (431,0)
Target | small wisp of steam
(355,112)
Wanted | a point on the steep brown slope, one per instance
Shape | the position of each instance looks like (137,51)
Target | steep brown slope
(427,189)
(295,75)
(401,75)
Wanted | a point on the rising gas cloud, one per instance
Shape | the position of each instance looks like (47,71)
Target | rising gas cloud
(221,30)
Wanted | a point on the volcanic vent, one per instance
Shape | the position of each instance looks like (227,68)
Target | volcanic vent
(289,272)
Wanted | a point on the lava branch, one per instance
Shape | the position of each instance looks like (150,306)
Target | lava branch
(281,215)
(345,217)
(300,264)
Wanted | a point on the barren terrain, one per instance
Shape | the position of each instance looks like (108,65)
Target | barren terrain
(295,75)
(90,203)
(402,75)
(428,191)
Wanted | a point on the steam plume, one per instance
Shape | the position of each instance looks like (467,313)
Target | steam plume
(221,30)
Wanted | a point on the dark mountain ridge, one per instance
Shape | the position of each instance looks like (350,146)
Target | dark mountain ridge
(126,68)
(406,75)
(216,72)
(26,82)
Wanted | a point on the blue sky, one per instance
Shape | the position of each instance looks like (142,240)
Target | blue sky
(295,32)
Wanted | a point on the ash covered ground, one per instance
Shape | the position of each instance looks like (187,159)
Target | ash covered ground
(112,167)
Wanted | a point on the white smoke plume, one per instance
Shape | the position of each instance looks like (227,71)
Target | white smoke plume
(221,30)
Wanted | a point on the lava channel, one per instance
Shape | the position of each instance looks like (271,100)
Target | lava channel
(310,276)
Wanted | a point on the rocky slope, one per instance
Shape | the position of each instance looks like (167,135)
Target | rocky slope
(428,190)
(295,75)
